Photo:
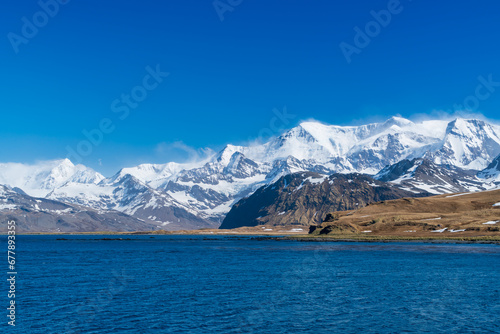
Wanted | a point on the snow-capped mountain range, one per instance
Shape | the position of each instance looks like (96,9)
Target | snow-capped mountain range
(44,215)
(460,155)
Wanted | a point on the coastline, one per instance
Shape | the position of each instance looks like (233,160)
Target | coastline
(382,238)
(480,239)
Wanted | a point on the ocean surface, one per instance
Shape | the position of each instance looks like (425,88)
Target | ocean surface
(196,284)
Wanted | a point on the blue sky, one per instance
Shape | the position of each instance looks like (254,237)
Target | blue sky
(227,76)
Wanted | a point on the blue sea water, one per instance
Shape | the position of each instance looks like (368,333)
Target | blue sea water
(195,284)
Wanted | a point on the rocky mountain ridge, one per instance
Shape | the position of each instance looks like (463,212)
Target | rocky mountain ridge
(304,198)
(44,215)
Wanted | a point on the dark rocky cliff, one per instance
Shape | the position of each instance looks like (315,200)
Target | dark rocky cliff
(305,198)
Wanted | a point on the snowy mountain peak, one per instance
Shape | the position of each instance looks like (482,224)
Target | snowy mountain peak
(313,127)
(398,121)
(154,175)
(142,172)
(41,178)
(66,162)
(465,127)
(224,156)
(468,143)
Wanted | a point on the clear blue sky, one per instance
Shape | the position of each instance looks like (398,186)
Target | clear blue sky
(226,77)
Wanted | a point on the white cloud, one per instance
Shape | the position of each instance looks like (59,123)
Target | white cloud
(181,152)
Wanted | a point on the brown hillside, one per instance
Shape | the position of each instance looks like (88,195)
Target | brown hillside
(417,217)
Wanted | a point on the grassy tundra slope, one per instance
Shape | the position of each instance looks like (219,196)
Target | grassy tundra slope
(458,215)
